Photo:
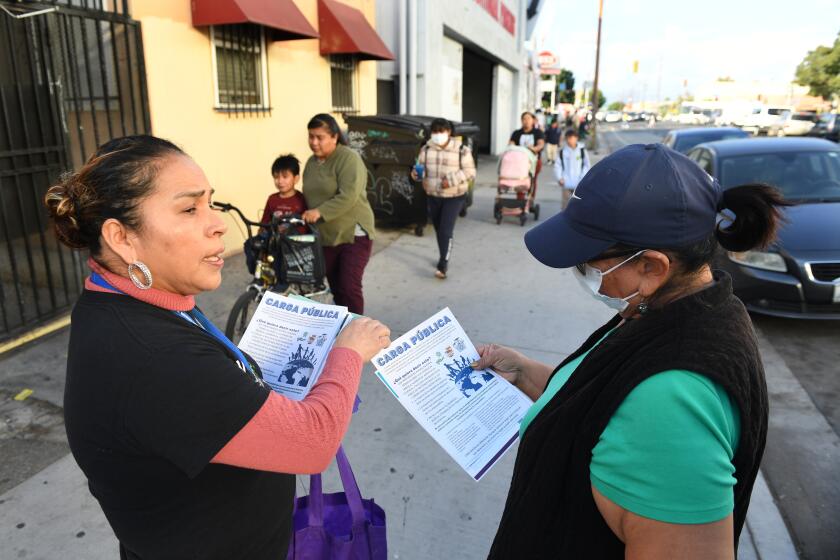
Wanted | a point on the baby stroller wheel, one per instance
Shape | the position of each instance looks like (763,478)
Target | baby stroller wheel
(536,210)
(523,217)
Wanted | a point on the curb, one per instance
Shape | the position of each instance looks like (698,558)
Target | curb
(765,527)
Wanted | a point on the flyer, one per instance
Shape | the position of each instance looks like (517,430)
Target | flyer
(290,340)
(473,414)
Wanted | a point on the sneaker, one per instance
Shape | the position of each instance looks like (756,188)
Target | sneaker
(440,274)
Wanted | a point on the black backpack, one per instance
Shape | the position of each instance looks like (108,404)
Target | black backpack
(582,159)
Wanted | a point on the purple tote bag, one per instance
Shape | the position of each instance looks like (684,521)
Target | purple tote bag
(340,526)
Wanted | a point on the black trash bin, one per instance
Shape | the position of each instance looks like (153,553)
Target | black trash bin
(389,146)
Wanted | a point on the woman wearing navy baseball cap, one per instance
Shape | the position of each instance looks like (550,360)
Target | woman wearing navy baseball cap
(646,441)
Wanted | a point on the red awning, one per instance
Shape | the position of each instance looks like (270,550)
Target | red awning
(344,30)
(281,16)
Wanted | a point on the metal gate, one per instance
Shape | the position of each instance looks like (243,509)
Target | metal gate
(71,78)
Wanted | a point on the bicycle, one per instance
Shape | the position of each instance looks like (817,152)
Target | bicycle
(284,263)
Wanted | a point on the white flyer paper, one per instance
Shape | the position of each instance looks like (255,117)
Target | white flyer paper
(473,414)
(290,340)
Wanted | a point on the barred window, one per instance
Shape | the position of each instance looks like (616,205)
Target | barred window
(343,80)
(240,67)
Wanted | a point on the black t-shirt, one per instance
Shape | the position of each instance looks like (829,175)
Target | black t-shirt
(150,399)
(527,139)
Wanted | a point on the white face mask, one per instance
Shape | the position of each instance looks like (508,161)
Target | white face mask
(591,279)
(440,138)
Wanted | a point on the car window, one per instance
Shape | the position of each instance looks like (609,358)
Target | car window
(685,143)
(804,117)
(704,160)
(801,176)
(775,111)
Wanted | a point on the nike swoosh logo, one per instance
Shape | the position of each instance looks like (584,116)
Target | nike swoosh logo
(576,196)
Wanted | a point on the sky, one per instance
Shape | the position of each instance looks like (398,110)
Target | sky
(677,40)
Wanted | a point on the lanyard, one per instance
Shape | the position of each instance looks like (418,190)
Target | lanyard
(197,318)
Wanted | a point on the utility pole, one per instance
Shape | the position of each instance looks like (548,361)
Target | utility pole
(594,142)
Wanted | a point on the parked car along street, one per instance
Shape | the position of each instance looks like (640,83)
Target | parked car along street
(682,140)
(799,276)
(828,127)
(764,118)
(793,124)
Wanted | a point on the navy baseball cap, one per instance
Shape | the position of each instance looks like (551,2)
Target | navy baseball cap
(645,196)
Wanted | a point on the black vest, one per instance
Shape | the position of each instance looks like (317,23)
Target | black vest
(550,511)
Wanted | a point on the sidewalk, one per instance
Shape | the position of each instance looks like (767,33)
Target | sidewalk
(497,291)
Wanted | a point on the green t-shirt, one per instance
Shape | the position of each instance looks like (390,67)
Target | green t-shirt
(667,451)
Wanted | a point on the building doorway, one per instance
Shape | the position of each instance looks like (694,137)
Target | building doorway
(478,96)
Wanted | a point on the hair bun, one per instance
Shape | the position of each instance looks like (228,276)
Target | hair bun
(62,204)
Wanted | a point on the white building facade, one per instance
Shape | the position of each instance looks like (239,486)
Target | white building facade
(460,59)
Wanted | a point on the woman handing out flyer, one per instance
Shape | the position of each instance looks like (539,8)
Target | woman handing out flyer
(172,424)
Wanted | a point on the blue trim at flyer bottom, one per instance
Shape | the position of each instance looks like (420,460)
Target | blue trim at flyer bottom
(379,375)
(495,458)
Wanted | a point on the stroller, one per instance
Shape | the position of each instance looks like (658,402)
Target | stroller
(517,186)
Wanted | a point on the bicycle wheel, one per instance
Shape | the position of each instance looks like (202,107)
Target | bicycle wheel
(240,315)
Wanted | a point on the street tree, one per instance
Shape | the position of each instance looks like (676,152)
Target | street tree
(566,86)
(616,106)
(602,100)
(820,70)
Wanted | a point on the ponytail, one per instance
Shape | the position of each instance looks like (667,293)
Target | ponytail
(757,210)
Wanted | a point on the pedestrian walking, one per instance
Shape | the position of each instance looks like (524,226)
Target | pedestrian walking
(529,136)
(573,164)
(178,436)
(646,441)
(335,188)
(448,167)
(552,140)
(541,119)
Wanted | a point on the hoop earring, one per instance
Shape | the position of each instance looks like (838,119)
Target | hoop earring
(147,275)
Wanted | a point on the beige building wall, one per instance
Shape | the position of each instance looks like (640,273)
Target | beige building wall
(236,150)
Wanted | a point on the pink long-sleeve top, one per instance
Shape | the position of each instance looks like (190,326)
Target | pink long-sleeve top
(286,436)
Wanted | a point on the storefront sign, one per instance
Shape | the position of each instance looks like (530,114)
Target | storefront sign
(500,13)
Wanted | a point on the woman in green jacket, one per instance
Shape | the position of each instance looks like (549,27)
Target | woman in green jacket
(334,182)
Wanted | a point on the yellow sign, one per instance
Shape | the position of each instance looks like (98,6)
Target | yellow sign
(635,66)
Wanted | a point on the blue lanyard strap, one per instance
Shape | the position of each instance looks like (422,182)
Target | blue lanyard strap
(220,336)
(195,317)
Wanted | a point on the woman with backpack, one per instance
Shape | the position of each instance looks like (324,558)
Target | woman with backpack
(447,168)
